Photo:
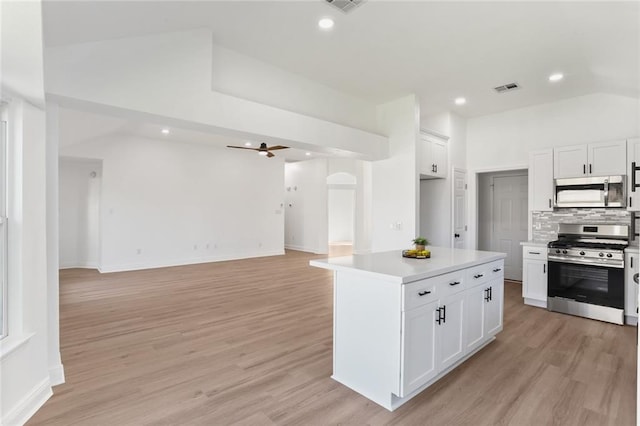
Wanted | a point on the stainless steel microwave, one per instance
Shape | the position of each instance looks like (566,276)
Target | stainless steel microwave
(596,191)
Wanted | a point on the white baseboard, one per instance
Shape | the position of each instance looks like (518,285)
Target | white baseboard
(168,263)
(56,375)
(304,249)
(65,265)
(28,406)
(631,320)
(535,302)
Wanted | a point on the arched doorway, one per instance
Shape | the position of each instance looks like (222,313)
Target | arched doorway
(341,204)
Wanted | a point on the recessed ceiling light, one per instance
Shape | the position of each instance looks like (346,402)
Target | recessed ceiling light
(325,23)
(165,131)
(247,144)
(556,77)
(460,101)
(308,154)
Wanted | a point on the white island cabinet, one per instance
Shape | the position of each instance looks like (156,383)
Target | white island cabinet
(401,324)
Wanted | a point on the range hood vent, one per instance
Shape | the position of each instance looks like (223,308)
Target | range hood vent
(345,6)
(507,87)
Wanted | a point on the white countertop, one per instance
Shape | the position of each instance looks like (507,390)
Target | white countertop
(391,266)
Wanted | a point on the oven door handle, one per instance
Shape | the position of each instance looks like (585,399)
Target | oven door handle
(606,192)
(588,262)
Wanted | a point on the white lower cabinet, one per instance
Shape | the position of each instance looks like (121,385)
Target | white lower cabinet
(494,307)
(419,343)
(534,276)
(439,334)
(475,324)
(450,331)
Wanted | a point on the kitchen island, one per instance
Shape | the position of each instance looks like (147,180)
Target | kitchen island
(400,324)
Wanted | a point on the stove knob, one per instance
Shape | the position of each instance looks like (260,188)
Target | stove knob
(601,254)
(609,255)
(564,252)
(558,251)
(582,253)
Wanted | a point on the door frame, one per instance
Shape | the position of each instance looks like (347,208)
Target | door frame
(472,197)
(453,205)
(491,209)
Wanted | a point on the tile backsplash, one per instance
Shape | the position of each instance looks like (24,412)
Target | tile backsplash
(545,224)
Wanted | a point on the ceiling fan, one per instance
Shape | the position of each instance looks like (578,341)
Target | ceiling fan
(263,150)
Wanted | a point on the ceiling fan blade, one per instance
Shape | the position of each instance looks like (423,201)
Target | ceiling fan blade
(242,147)
(271,148)
(269,155)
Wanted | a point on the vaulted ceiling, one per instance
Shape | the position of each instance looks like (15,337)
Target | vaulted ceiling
(386,49)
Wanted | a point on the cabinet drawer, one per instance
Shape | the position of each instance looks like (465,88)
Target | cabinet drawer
(479,274)
(419,293)
(533,252)
(451,283)
(496,269)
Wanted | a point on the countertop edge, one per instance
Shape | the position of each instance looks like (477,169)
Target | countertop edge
(409,278)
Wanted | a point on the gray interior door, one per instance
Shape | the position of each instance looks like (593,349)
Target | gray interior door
(509,221)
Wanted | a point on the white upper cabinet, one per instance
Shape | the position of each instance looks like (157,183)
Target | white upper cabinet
(633,177)
(596,159)
(570,161)
(541,180)
(434,156)
(608,158)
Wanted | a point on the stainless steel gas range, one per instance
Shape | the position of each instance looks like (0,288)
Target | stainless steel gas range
(586,271)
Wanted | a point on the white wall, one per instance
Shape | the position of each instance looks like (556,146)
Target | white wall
(306,206)
(248,78)
(166,78)
(436,194)
(80,185)
(56,370)
(24,354)
(395,180)
(169,203)
(503,141)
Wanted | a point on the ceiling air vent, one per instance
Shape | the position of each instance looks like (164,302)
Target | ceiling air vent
(345,5)
(507,87)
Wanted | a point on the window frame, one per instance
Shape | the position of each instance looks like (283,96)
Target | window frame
(4,188)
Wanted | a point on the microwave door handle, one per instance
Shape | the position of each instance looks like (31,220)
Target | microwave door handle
(606,192)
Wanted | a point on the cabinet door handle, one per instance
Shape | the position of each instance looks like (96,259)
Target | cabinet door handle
(497,270)
(589,168)
(633,177)
(478,276)
(534,252)
(436,168)
(490,293)
(444,314)
(549,202)
(423,293)
(439,318)
(544,268)
(584,169)
(631,261)
(454,283)
(486,294)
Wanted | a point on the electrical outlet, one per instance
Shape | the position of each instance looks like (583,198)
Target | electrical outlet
(139,251)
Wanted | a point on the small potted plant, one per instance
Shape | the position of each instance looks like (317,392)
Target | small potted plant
(420,242)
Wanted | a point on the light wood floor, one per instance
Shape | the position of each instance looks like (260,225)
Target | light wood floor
(249,342)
